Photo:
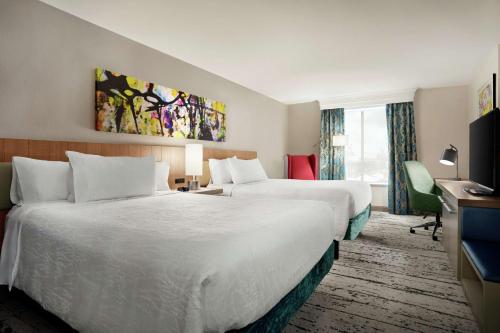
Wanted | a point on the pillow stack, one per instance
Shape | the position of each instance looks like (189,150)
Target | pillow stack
(86,178)
(38,180)
(233,170)
(219,171)
(161,174)
(99,178)
(93,177)
(246,171)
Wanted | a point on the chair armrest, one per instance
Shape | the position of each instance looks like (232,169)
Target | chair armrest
(437,191)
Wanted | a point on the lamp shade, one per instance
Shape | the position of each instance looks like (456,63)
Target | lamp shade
(194,159)
(339,140)
(449,156)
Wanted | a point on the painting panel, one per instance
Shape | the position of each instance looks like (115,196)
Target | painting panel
(485,95)
(125,104)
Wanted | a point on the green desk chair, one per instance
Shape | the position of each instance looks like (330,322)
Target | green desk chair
(423,194)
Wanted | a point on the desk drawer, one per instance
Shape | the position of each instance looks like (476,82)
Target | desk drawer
(451,231)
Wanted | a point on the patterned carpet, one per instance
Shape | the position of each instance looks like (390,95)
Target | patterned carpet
(386,281)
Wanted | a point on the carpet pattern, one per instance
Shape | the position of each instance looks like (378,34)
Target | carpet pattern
(387,280)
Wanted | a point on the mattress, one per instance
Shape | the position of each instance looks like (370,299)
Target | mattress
(277,319)
(171,263)
(347,198)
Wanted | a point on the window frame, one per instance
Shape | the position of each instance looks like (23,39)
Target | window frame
(362,111)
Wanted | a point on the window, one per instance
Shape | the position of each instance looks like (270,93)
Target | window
(366,153)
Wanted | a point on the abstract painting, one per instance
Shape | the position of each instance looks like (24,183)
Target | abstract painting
(125,104)
(485,95)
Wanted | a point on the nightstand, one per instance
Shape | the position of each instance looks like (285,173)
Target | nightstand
(209,191)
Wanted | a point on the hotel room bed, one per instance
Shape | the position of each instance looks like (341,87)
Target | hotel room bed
(170,263)
(350,200)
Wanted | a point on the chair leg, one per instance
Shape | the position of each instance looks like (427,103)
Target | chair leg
(438,225)
(425,226)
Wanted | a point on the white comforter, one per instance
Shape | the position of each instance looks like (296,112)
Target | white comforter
(348,198)
(174,263)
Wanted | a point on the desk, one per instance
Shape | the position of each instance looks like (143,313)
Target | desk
(454,199)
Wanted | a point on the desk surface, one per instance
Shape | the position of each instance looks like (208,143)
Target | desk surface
(456,189)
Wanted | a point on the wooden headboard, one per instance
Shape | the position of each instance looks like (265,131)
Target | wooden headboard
(54,151)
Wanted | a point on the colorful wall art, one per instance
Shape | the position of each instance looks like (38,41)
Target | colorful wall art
(485,95)
(125,104)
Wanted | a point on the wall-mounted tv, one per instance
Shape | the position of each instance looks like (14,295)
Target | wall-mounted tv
(484,154)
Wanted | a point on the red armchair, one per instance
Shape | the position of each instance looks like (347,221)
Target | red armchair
(303,167)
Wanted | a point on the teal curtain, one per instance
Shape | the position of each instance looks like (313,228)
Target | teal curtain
(331,159)
(402,147)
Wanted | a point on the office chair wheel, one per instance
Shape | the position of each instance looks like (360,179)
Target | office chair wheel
(435,238)
(412,231)
(426,228)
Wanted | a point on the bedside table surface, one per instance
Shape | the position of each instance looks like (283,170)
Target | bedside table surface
(209,191)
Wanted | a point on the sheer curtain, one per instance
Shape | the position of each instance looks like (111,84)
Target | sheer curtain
(402,147)
(331,160)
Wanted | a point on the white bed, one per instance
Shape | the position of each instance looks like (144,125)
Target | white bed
(347,198)
(166,263)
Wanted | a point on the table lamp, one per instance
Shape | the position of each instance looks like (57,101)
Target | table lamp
(194,164)
(450,157)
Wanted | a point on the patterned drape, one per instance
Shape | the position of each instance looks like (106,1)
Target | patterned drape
(331,159)
(402,147)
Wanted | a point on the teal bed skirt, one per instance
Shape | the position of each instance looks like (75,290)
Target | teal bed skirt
(277,318)
(357,223)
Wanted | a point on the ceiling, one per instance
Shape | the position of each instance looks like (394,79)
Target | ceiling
(299,50)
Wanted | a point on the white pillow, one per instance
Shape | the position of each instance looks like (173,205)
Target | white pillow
(39,180)
(161,175)
(246,171)
(99,178)
(219,171)
(16,197)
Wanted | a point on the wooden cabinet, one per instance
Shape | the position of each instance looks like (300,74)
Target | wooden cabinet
(453,200)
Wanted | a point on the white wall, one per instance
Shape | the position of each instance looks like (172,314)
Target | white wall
(441,118)
(47,64)
(484,71)
(303,128)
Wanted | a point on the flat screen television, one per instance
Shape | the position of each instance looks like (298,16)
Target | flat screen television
(484,154)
